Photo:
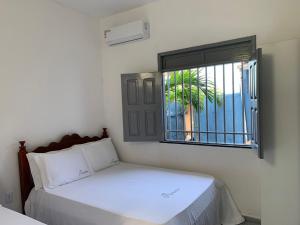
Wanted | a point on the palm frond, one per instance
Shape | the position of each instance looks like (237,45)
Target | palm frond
(191,87)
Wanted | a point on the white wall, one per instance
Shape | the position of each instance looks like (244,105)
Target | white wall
(280,179)
(49,79)
(266,189)
(50,62)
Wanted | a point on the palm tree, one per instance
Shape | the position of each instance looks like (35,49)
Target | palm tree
(182,87)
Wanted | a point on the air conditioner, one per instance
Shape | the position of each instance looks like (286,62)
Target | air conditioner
(133,31)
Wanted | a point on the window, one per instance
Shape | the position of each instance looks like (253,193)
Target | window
(208,105)
(204,95)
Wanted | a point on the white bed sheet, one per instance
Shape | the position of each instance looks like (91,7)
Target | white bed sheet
(10,217)
(129,194)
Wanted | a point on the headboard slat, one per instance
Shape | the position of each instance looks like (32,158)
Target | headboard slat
(26,181)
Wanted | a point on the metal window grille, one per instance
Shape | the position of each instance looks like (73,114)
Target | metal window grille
(208,105)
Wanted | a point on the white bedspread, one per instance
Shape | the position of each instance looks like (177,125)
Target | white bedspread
(128,194)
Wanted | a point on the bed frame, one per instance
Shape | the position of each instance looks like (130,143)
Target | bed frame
(26,181)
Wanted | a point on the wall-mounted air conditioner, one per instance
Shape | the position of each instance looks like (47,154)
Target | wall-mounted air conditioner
(133,31)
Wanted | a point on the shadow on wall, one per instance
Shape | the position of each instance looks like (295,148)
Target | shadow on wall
(268,108)
(10,172)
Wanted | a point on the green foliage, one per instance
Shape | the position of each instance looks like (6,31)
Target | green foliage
(190,78)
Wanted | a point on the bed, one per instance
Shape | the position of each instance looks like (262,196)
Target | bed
(10,217)
(128,194)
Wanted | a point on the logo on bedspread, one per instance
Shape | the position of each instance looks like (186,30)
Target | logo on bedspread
(169,195)
(83,172)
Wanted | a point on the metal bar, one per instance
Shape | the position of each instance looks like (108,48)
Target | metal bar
(204,132)
(243,100)
(208,144)
(169,102)
(176,122)
(215,101)
(250,82)
(164,104)
(167,132)
(252,118)
(233,103)
(183,109)
(191,112)
(252,124)
(198,89)
(206,107)
(224,103)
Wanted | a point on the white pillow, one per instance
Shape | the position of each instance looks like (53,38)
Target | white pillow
(100,154)
(35,172)
(63,167)
(34,164)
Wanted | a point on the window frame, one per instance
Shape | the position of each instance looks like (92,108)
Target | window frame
(241,49)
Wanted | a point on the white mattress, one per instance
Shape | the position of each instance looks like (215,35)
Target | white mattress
(128,194)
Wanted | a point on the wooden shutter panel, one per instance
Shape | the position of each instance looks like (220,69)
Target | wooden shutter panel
(141,96)
(254,78)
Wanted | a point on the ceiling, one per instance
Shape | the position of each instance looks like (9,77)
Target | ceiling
(102,8)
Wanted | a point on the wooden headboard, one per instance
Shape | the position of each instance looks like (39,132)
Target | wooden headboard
(26,181)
